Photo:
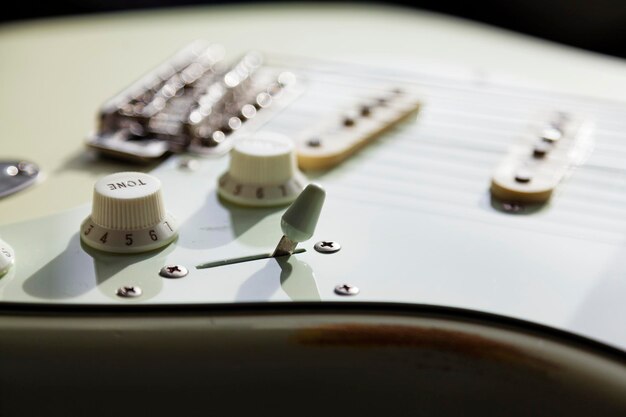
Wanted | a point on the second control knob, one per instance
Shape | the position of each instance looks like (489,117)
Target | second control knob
(262,172)
(128,215)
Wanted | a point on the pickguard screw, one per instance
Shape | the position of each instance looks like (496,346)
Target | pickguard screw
(173,271)
(129,291)
(346,289)
(327,246)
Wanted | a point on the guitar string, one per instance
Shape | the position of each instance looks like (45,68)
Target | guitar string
(419,143)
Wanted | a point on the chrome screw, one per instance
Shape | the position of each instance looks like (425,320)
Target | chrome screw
(327,246)
(523,176)
(173,271)
(129,291)
(346,289)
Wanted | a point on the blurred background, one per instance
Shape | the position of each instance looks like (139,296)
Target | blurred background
(598,25)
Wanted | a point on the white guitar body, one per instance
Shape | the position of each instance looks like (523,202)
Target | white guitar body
(487,305)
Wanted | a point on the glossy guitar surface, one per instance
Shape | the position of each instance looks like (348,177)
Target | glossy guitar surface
(413,209)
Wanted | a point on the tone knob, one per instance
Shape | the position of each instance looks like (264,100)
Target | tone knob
(128,215)
(262,172)
(7,257)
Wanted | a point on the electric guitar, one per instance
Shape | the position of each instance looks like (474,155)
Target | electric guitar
(276,222)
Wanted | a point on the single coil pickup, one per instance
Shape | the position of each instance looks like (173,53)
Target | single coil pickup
(340,137)
(541,159)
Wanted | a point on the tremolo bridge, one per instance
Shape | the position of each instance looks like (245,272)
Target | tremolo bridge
(194,101)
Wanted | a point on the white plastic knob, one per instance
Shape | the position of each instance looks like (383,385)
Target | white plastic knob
(128,215)
(7,257)
(262,172)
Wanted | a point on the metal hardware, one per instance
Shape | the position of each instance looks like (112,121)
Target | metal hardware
(314,143)
(523,176)
(129,291)
(173,271)
(249,258)
(192,102)
(541,149)
(346,289)
(327,246)
(285,247)
(551,135)
(16,175)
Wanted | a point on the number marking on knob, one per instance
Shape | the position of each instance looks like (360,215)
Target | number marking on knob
(262,172)
(128,215)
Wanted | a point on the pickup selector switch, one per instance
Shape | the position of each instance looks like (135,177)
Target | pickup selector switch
(262,172)
(128,215)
